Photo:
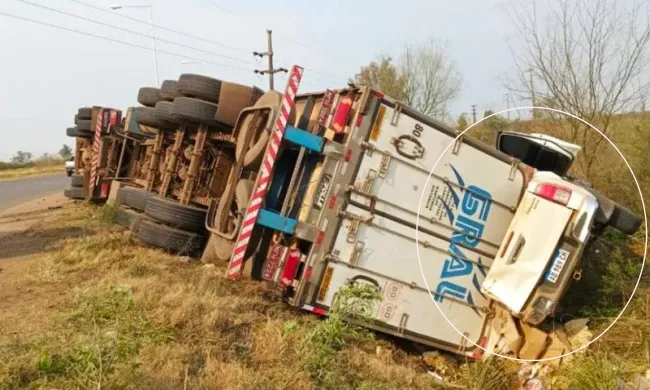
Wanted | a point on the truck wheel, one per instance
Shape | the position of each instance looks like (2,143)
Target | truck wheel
(624,220)
(130,218)
(174,240)
(77,181)
(69,173)
(84,124)
(85,113)
(194,110)
(75,132)
(76,119)
(137,198)
(197,86)
(74,193)
(147,116)
(169,90)
(176,215)
(120,197)
(164,113)
(148,97)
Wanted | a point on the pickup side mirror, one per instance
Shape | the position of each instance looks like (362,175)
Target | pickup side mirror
(541,154)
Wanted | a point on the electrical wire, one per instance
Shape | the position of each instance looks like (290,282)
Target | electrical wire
(135,32)
(120,41)
(160,27)
(287,37)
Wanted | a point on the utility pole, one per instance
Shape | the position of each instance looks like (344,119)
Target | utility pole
(269,53)
(506,97)
(474,112)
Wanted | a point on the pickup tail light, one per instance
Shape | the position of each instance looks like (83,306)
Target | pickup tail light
(554,193)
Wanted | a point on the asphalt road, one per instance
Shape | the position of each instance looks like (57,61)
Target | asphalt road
(15,192)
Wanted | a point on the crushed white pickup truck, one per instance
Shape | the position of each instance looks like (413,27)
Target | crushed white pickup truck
(501,231)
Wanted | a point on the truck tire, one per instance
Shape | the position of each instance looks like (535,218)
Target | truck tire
(169,90)
(197,86)
(624,220)
(130,218)
(85,113)
(75,132)
(136,198)
(148,97)
(84,124)
(174,240)
(77,181)
(76,119)
(176,215)
(147,116)
(74,193)
(194,111)
(164,113)
(122,194)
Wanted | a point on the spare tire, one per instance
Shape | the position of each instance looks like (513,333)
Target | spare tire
(147,116)
(164,113)
(174,240)
(197,86)
(624,220)
(75,132)
(169,90)
(175,214)
(149,96)
(194,111)
(85,113)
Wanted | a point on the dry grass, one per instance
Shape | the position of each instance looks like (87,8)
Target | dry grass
(9,174)
(129,316)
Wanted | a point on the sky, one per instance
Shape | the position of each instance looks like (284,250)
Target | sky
(46,74)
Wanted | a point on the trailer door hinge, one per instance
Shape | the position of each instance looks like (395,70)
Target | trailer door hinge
(457,144)
(513,170)
(356,252)
(356,220)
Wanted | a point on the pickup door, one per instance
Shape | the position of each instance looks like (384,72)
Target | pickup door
(467,206)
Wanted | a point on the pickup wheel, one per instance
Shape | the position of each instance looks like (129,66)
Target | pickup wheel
(197,86)
(75,132)
(77,181)
(174,240)
(164,113)
(129,218)
(137,198)
(74,193)
(169,90)
(191,110)
(148,97)
(176,215)
(83,124)
(85,113)
(624,220)
(147,116)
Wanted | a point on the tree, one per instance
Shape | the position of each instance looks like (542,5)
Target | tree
(462,123)
(21,157)
(65,152)
(424,78)
(494,123)
(585,58)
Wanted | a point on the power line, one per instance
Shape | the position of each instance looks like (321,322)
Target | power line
(160,27)
(119,41)
(257,24)
(134,32)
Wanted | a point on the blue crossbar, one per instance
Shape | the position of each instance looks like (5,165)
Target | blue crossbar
(304,138)
(276,221)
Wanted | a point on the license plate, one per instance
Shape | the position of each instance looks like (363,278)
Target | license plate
(323,189)
(554,271)
(272,262)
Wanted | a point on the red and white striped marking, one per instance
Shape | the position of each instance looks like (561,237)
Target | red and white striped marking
(95,164)
(264,176)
